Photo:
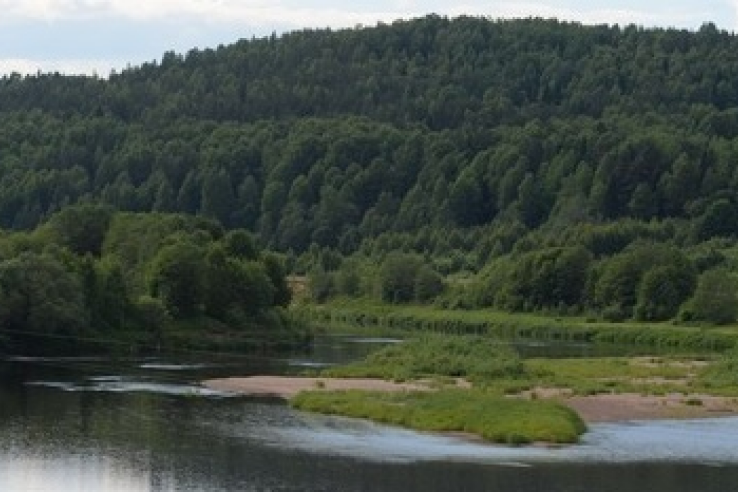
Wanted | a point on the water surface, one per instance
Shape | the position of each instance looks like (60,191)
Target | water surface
(146,425)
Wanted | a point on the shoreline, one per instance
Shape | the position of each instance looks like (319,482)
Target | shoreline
(608,407)
(288,386)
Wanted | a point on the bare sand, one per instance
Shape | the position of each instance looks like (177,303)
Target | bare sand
(594,408)
(631,406)
(287,387)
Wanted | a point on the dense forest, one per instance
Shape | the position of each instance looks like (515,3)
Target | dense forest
(92,278)
(526,164)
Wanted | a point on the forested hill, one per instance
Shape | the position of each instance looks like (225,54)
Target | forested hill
(338,138)
(435,72)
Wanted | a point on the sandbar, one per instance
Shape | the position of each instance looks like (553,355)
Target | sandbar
(615,407)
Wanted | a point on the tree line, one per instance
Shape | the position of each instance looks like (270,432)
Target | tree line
(492,152)
(94,278)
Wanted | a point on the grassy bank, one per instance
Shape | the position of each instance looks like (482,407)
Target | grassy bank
(509,400)
(369,317)
(484,410)
(473,358)
(498,369)
(490,416)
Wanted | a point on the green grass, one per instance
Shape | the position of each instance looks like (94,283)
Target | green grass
(377,318)
(488,415)
(488,364)
(721,376)
(493,409)
(477,359)
(654,375)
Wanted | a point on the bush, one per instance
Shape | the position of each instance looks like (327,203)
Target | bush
(475,358)
(428,284)
(151,314)
(615,314)
(715,299)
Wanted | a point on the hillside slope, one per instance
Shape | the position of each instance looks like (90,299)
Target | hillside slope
(434,127)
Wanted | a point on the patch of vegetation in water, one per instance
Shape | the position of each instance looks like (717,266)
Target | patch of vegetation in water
(372,317)
(509,400)
(488,415)
(722,375)
(474,358)
(484,411)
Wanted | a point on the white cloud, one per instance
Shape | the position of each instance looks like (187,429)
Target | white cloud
(249,12)
(655,16)
(734,5)
(336,14)
(65,66)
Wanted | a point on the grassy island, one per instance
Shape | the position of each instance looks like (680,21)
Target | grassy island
(486,414)
(449,363)
(476,385)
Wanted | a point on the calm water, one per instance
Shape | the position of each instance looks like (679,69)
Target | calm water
(144,425)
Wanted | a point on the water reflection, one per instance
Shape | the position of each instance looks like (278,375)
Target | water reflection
(115,384)
(79,473)
(95,425)
(712,441)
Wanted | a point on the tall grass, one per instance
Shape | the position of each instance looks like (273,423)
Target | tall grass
(382,318)
(474,358)
(722,374)
(490,416)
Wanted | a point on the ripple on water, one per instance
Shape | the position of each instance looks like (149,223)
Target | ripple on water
(713,441)
(162,366)
(114,384)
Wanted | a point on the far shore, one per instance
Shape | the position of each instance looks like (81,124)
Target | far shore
(592,408)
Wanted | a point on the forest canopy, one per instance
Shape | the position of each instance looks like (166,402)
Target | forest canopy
(527,164)
(94,278)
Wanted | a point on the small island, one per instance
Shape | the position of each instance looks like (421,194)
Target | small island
(482,389)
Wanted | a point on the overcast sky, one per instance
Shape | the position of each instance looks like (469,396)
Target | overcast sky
(82,36)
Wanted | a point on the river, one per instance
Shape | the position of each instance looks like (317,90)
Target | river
(91,424)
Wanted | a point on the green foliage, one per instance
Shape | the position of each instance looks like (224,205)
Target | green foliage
(82,228)
(404,278)
(402,320)
(397,277)
(475,358)
(255,288)
(661,291)
(429,284)
(348,280)
(720,219)
(39,296)
(177,278)
(241,244)
(715,300)
(276,271)
(135,239)
(55,295)
(108,298)
(150,314)
(548,278)
(321,284)
(653,279)
(490,416)
(723,373)
(541,174)
(397,142)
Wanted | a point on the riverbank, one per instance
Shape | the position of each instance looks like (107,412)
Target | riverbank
(288,387)
(362,316)
(591,408)
(505,398)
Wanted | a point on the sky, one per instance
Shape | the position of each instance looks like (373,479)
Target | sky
(97,36)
